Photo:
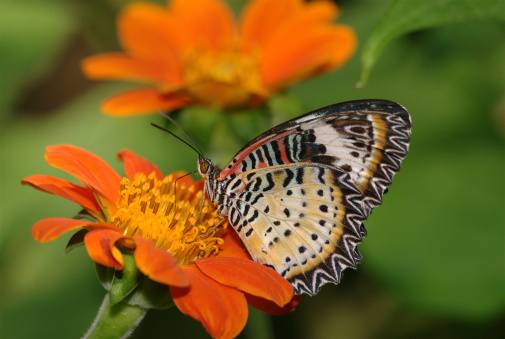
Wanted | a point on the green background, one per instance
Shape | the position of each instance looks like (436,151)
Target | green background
(434,256)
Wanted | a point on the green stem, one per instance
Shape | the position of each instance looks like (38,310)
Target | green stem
(115,321)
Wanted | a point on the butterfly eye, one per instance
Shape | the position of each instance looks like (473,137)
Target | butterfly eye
(203,166)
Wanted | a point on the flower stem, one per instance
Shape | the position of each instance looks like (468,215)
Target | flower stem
(115,321)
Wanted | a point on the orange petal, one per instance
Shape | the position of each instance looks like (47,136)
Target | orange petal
(345,45)
(101,247)
(221,310)
(158,264)
(311,51)
(123,67)
(147,32)
(134,164)
(248,276)
(141,101)
(269,307)
(262,17)
(80,195)
(91,170)
(207,22)
(232,245)
(49,229)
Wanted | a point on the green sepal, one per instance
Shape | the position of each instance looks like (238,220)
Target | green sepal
(125,280)
(132,287)
(150,294)
(75,241)
(84,215)
(105,275)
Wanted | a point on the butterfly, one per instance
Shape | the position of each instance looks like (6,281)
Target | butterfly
(299,193)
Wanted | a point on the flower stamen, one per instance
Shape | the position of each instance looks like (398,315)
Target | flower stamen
(155,210)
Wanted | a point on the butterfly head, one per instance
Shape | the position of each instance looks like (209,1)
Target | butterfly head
(204,166)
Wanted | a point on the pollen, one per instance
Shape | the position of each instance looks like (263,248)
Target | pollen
(174,218)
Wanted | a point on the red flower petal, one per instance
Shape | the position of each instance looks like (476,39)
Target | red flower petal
(141,101)
(222,310)
(248,276)
(50,229)
(91,170)
(134,164)
(101,247)
(80,195)
(158,264)
(269,307)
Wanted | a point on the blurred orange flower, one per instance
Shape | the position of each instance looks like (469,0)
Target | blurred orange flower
(194,52)
(211,277)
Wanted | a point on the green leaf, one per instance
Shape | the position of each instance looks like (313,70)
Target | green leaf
(125,280)
(77,240)
(405,16)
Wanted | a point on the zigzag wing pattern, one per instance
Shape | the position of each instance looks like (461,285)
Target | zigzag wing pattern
(299,193)
(302,221)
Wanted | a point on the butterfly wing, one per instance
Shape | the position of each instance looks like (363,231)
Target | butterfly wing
(299,193)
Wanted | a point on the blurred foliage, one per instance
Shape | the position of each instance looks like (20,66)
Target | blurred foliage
(405,16)
(434,255)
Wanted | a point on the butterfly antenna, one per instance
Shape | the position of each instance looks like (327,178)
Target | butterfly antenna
(166,130)
(175,187)
(183,132)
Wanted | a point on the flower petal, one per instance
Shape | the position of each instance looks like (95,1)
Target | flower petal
(248,276)
(134,164)
(101,247)
(50,229)
(262,17)
(221,310)
(205,21)
(269,307)
(311,52)
(80,195)
(158,264)
(91,170)
(124,67)
(232,245)
(149,34)
(141,101)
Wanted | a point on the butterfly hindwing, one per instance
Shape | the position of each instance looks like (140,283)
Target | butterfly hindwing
(299,193)
(302,221)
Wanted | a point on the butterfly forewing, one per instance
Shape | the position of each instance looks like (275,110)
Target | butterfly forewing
(298,194)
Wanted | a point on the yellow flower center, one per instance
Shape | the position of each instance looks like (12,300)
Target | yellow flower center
(157,211)
(226,78)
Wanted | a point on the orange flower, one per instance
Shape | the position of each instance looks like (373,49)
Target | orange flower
(211,277)
(194,52)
